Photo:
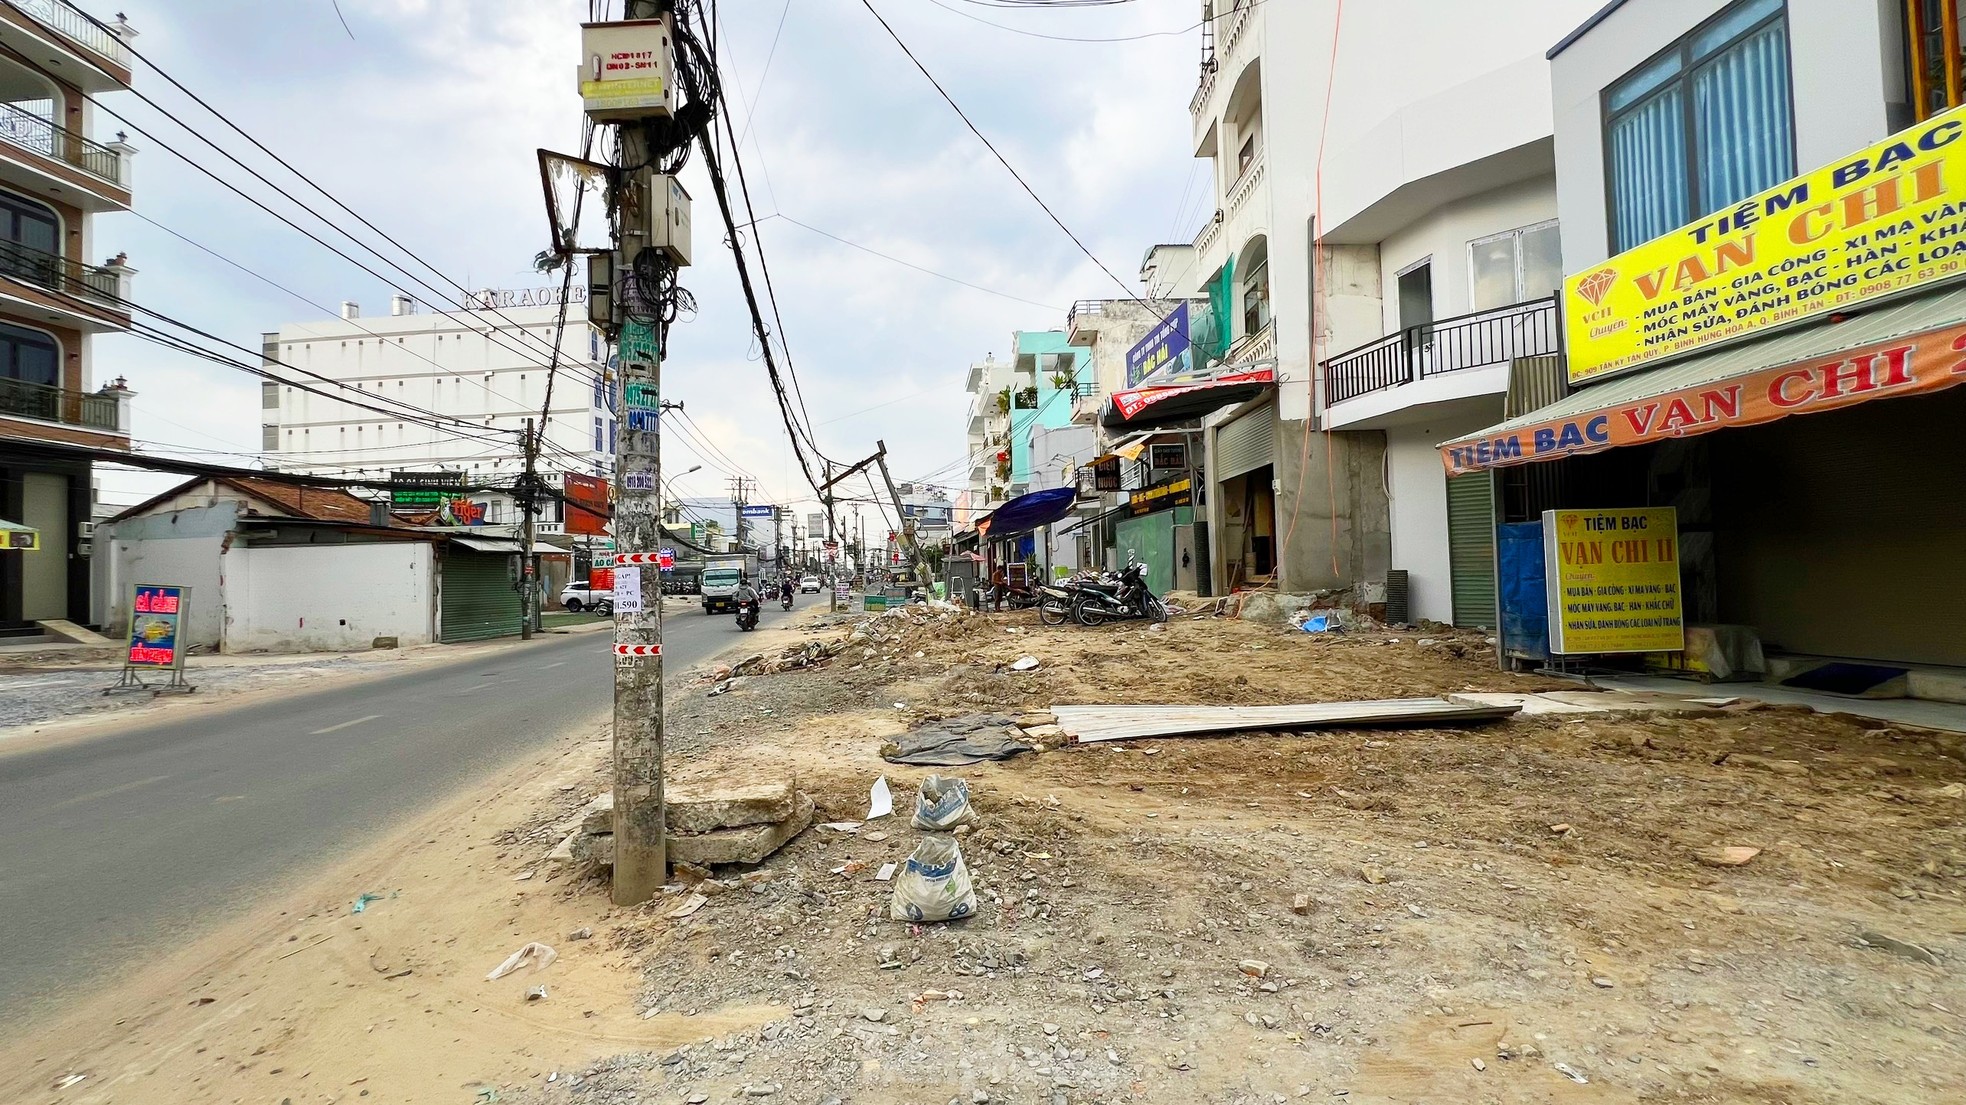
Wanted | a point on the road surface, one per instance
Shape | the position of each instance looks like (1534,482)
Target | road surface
(128,844)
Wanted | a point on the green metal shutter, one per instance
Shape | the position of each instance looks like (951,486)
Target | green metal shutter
(479,601)
(1471,548)
(1246,444)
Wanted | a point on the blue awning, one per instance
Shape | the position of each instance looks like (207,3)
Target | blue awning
(1027,512)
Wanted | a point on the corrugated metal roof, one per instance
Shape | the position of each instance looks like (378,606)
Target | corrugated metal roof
(489,544)
(1931,311)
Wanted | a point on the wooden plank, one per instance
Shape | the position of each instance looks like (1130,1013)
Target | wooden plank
(1094,723)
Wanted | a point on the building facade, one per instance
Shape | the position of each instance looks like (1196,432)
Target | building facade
(479,367)
(55,178)
(990,384)
(1759,200)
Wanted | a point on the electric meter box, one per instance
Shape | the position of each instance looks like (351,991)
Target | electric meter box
(672,233)
(627,69)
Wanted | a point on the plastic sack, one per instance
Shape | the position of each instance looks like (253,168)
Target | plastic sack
(934,884)
(943,804)
(536,955)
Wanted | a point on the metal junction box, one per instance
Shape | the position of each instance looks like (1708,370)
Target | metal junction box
(627,69)
(672,233)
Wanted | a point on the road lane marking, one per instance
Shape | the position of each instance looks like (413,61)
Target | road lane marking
(344,725)
(107,792)
(550,667)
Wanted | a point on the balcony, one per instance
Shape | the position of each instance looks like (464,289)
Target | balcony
(1245,185)
(1479,340)
(42,158)
(57,37)
(55,289)
(1086,311)
(1251,348)
(1087,400)
(101,411)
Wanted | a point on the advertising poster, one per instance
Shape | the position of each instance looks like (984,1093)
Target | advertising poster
(1881,221)
(155,611)
(587,504)
(1613,580)
(627,590)
(1166,346)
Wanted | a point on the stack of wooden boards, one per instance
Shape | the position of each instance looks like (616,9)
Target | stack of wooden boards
(1090,724)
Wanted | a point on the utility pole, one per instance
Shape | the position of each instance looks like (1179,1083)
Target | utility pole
(529,505)
(924,572)
(640,844)
(832,546)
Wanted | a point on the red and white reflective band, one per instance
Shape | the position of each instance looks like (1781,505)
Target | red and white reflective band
(638,558)
(638,650)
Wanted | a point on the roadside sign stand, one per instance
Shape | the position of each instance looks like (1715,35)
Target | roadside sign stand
(157,613)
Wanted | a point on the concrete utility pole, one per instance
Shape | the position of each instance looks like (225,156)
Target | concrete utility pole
(924,573)
(529,505)
(832,548)
(640,845)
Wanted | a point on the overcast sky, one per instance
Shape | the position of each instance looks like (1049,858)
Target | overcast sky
(426,119)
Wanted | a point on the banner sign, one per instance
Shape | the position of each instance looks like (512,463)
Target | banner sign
(1884,220)
(19,538)
(763,510)
(156,611)
(1166,344)
(587,504)
(1134,400)
(1161,496)
(1613,580)
(1926,362)
(424,488)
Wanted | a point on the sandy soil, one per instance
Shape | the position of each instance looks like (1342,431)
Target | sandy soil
(1439,915)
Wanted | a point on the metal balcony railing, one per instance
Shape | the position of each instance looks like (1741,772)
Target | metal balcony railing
(48,403)
(57,274)
(1476,340)
(68,20)
(32,131)
(1084,389)
(1084,308)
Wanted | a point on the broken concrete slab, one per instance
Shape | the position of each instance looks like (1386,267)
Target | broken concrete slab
(745,844)
(707,806)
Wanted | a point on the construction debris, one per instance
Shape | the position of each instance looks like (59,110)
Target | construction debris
(958,741)
(1088,724)
(708,824)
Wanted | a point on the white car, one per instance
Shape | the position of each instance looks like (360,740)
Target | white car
(579,596)
(809,585)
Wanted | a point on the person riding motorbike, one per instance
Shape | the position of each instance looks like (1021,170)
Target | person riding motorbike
(746,601)
(785,592)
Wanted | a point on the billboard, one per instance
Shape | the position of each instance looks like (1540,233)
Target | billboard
(424,488)
(815,524)
(1165,346)
(761,510)
(587,503)
(1613,580)
(1884,220)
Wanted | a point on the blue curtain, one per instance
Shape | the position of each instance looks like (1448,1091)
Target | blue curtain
(1741,112)
(1648,166)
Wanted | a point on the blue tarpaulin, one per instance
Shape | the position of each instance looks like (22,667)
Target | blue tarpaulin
(1525,598)
(1027,512)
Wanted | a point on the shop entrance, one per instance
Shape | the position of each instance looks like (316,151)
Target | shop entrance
(1249,528)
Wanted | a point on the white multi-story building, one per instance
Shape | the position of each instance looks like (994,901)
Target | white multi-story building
(1388,255)
(989,431)
(483,368)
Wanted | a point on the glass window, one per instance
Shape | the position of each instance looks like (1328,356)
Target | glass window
(1702,126)
(269,396)
(597,435)
(269,437)
(1515,267)
(29,355)
(1256,292)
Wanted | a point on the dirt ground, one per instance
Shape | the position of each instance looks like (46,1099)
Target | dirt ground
(1512,912)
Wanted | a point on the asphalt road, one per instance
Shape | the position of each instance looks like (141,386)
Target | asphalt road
(129,844)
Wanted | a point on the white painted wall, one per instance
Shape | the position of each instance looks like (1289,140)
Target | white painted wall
(186,547)
(1845,73)
(1444,237)
(1416,484)
(329,598)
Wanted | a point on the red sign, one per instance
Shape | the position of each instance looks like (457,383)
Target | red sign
(587,503)
(1134,400)
(665,559)
(1908,366)
(637,650)
(600,579)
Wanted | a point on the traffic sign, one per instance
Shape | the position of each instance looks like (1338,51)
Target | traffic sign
(637,650)
(666,558)
(638,558)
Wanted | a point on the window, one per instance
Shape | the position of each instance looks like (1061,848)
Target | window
(1934,68)
(30,238)
(598,431)
(1246,157)
(29,355)
(1416,294)
(1515,267)
(269,437)
(1256,291)
(1701,125)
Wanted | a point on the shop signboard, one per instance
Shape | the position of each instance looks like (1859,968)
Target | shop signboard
(1166,347)
(155,641)
(1613,580)
(1887,219)
(424,488)
(587,504)
(1162,496)
(1922,363)
(1106,474)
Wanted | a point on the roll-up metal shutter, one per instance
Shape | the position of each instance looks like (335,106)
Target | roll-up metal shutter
(1246,444)
(1471,548)
(479,601)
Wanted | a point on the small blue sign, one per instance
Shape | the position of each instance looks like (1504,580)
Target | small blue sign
(762,511)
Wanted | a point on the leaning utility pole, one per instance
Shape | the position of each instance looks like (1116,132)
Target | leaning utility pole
(924,573)
(832,545)
(529,505)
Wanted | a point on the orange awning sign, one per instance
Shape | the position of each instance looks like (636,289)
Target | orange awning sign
(1923,363)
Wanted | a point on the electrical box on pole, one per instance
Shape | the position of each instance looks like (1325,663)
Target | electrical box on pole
(669,208)
(627,70)
(600,292)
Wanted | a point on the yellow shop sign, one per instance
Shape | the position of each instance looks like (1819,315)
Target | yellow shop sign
(1879,222)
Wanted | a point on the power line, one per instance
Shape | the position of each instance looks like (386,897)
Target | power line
(1061,38)
(910,264)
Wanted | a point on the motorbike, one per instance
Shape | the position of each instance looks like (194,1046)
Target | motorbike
(1055,599)
(1124,597)
(603,607)
(785,599)
(747,614)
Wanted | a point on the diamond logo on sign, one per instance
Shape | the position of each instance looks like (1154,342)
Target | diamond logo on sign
(1594,286)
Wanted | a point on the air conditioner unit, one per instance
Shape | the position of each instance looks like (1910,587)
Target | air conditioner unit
(627,70)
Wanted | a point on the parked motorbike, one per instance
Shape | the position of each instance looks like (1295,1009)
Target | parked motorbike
(747,614)
(1055,599)
(603,607)
(1126,597)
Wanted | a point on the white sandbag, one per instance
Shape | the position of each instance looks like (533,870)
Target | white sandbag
(943,804)
(934,884)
